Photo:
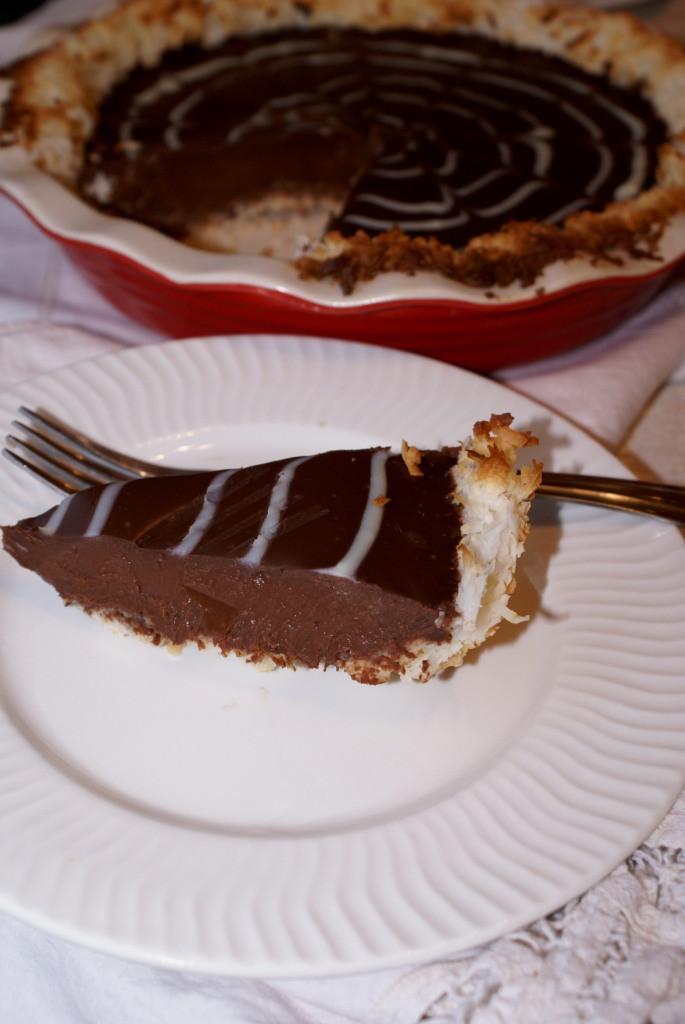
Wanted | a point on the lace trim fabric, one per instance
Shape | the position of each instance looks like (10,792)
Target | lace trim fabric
(615,955)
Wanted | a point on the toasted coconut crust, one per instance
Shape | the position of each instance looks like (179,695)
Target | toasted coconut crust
(495,500)
(53,104)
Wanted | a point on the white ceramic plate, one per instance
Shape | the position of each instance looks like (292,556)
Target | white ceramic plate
(191,811)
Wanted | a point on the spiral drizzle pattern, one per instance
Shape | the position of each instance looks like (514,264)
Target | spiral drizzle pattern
(446,136)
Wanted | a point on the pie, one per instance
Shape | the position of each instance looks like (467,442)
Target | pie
(378,563)
(484,140)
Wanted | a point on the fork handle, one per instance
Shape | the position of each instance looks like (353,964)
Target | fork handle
(666,501)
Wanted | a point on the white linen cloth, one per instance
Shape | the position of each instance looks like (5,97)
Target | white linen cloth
(615,955)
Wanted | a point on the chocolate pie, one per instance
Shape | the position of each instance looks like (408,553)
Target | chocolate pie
(373,562)
(482,139)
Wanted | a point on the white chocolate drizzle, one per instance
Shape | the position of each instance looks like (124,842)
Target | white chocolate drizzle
(103,508)
(99,515)
(272,519)
(412,88)
(54,522)
(205,516)
(371,520)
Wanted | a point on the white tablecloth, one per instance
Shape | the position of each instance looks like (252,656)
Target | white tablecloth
(615,955)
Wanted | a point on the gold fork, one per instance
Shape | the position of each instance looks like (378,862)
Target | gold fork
(70,461)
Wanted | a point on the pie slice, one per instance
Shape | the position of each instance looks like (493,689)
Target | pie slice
(374,562)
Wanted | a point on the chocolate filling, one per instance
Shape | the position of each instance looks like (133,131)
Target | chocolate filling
(318,560)
(447,136)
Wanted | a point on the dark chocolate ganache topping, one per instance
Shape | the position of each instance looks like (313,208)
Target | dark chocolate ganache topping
(359,515)
(445,136)
(344,558)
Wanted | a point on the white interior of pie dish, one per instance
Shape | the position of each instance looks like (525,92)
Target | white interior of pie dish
(62,214)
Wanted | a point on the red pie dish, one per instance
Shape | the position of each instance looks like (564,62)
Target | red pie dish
(472,185)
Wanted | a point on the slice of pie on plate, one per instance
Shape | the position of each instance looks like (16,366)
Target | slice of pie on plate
(375,562)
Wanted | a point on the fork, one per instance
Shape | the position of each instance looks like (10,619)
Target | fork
(70,461)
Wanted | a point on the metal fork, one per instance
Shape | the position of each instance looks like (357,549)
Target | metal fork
(70,461)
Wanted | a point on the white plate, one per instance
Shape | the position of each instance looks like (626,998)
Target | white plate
(191,811)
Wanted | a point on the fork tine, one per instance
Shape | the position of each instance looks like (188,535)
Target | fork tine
(78,447)
(68,460)
(37,446)
(59,479)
